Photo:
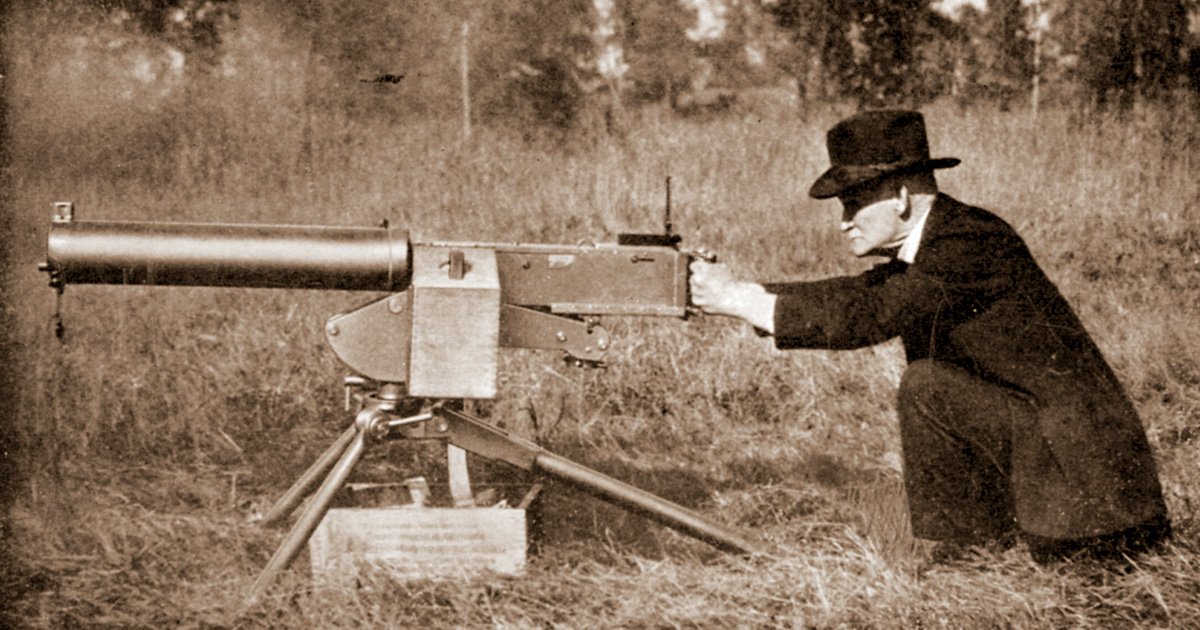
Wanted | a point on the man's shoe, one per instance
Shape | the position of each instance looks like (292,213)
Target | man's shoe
(1105,548)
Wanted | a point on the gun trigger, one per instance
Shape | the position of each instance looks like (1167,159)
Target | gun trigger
(584,363)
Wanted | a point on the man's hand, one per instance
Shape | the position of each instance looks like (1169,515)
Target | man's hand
(715,292)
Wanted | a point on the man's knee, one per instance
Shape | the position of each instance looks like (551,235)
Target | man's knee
(920,375)
(925,380)
(950,398)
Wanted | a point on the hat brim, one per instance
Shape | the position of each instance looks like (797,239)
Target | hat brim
(842,178)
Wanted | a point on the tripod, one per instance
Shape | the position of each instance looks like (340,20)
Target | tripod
(388,413)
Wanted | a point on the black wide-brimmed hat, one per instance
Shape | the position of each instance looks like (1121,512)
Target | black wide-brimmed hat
(872,145)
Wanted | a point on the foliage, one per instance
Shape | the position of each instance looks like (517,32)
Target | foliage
(882,34)
(533,64)
(1133,49)
(880,53)
(998,61)
(820,47)
(539,51)
(193,27)
(891,52)
(658,51)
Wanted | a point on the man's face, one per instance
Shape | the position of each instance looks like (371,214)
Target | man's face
(871,219)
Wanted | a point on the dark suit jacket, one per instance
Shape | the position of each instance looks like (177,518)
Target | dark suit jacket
(975,297)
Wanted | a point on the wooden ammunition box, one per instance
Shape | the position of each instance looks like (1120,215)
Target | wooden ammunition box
(455,322)
(413,543)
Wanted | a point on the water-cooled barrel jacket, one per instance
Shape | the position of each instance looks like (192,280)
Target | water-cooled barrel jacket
(974,297)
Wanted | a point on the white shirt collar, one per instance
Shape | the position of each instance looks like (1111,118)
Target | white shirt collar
(908,247)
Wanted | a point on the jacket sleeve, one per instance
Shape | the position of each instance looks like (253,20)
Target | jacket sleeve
(955,275)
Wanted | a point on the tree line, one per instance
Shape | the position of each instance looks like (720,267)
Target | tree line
(552,61)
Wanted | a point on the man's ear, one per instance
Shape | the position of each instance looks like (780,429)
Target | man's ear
(903,207)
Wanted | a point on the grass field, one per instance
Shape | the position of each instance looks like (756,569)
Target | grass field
(166,418)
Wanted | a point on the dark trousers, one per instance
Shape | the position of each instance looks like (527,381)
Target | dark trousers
(955,429)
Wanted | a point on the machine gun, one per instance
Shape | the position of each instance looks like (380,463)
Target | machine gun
(430,343)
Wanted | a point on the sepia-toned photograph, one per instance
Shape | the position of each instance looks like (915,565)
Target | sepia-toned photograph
(596,314)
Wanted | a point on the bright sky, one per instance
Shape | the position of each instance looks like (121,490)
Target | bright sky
(952,7)
(710,19)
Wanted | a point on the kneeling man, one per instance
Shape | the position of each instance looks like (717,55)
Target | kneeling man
(1012,423)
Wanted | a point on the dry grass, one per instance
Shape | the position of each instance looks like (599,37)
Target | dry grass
(169,416)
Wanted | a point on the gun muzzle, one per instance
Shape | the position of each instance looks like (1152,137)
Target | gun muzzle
(227,255)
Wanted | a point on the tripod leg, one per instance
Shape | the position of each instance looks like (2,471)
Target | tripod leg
(300,533)
(646,504)
(483,439)
(300,488)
